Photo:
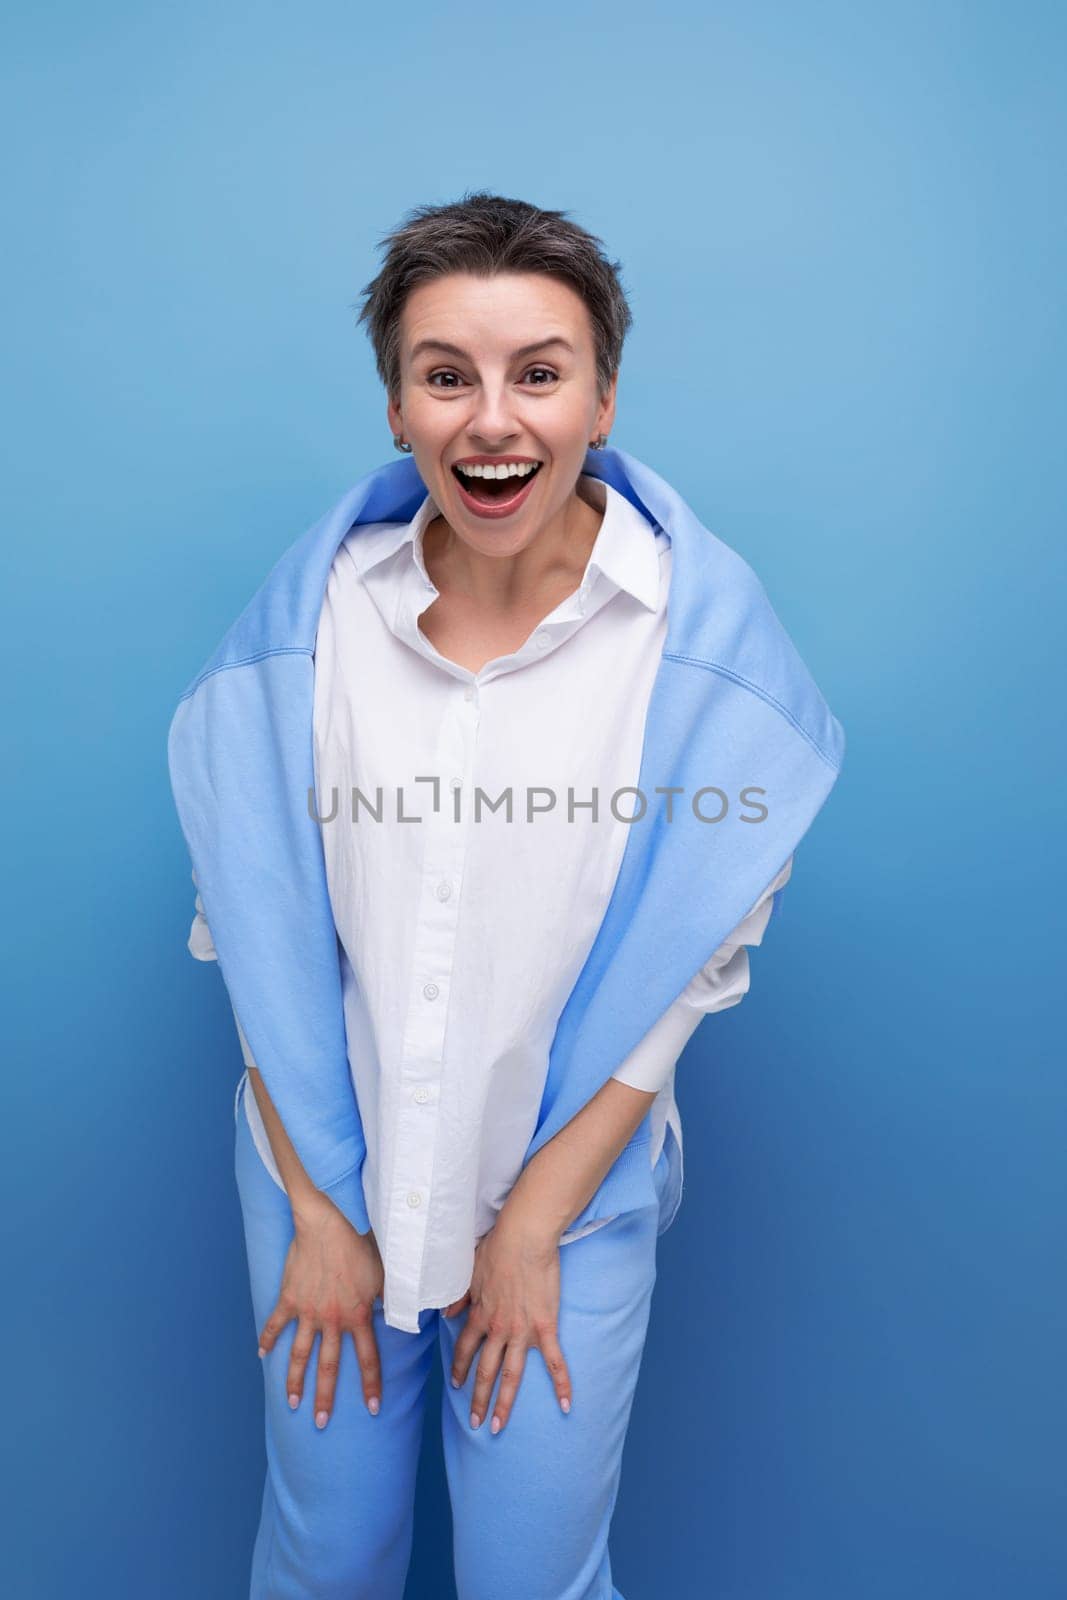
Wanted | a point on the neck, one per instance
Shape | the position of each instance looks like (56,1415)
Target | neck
(553,561)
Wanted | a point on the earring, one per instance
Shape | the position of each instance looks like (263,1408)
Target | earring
(400,443)
(599,442)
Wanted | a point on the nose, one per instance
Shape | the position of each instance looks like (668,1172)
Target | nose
(493,419)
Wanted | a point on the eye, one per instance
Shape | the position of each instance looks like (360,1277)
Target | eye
(548,370)
(443,372)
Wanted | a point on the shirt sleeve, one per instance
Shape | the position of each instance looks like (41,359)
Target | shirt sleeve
(722,982)
(202,946)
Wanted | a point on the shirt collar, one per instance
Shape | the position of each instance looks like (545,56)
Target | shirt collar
(625,552)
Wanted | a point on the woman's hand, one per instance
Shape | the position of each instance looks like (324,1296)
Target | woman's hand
(332,1277)
(514,1305)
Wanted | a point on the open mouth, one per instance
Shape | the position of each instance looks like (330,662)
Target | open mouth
(499,495)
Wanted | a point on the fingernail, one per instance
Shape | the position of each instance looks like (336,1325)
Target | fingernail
(262,1352)
(475,1419)
(496,1425)
(455,1381)
(372,1405)
(321,1418)
(294,1401)
(565,1404)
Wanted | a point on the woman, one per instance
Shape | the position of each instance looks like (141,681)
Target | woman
(464,973)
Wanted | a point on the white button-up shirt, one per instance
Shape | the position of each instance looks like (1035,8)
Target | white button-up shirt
(464,922)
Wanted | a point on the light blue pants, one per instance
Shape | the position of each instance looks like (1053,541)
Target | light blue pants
(531,1505)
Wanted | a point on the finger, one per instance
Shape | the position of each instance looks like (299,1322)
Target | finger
(279,1319)
(466,1349)
(510,1378)
(558,1370)
(370,1366)
(485,1377)
(326,1373)
(457,1305)
(299,1356)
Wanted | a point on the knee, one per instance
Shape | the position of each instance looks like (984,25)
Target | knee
(338,1514)
(335,1558)
(575,1574)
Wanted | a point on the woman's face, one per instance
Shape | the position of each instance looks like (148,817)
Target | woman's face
(500,368)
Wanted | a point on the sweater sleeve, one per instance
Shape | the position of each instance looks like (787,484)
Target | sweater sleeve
(202,946)
(722,982)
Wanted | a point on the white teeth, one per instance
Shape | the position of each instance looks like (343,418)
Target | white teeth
(511,469)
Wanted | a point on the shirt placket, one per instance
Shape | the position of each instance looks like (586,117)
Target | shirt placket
(445,845)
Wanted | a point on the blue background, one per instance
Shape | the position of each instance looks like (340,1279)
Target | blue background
(841,226)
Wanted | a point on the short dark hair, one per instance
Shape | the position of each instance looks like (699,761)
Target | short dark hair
(486,233)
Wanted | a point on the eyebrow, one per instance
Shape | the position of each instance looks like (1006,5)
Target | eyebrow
(454,349)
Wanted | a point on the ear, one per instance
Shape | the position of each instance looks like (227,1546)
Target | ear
(605,417)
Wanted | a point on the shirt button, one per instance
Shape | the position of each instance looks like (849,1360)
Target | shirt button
(422,1094)
(414,1198)
(443,891)
(468,693)
(431,991)
(543,638)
